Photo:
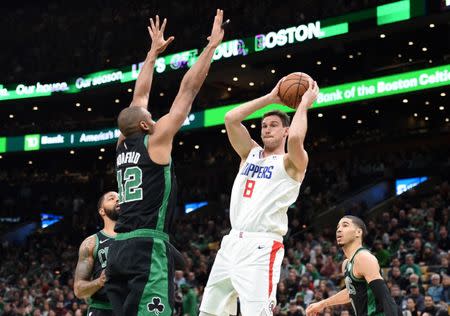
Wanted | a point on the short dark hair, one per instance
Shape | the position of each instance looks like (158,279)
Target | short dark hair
(358,222)
(129,118)
(101,200)
(285,119)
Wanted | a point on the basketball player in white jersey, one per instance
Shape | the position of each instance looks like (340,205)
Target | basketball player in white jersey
(249,260)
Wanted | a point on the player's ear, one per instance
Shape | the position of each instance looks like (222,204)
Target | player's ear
(144,126)
(101,211)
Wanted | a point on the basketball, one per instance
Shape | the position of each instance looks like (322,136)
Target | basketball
(292,89)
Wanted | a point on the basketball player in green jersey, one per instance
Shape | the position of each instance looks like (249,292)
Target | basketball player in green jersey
(364,286)
(90,272)
(141,259)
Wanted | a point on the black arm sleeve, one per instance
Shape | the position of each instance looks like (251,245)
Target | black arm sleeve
(382,295)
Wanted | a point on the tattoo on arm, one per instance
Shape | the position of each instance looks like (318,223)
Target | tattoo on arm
(83,285)
(85,260)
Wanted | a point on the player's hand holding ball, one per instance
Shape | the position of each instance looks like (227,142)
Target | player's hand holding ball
(297,87)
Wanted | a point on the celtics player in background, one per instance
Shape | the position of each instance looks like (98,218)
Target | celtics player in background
(141,259)
(90,272)
(364,286)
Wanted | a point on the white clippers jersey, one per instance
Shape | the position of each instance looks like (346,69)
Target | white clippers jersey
(262,193)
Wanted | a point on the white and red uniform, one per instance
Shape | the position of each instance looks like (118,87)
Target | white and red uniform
(249,260)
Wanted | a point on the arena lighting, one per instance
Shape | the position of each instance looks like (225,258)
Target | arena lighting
(161,94)
(320,115)
(72,152)
(447,119)
(441,108)
(251,84)
(130,90)
(89,109)
(196,146)
(334,68)
(377,111)
(102,150)
(272,71)
(35,108)
(100,157)
(382,35)
(190,207)
(288,56)
(359,121)
(180,143)
(319,62)
(405,100)
(30,162)
(229,89)
(235,78)
(426,118)
(11,116)
(431,25)
(243,65)
(350,56)
(427,102)
(253,126)
(399,55)
(359,53)
(410,43)
(77,104)
(443,94)
(344,117)
(1,157)
(415,114)
(424,49)
(403,185)
(223,131)
(117,100)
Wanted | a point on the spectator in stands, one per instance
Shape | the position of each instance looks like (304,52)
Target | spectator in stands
(411,309)
(396,294)
(383,256)
(432,309)
(443,239)
(436,290)
(416,296)
(190,301)
(410,267)
(394,275)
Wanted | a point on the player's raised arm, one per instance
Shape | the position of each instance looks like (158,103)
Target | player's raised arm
(238,134)
(297,156)
(144,80)
(84,287)
(169,124)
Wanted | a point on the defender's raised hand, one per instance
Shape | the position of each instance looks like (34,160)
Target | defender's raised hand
(159,44)
(217,31)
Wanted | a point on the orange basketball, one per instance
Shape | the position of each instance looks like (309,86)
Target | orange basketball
(292,89)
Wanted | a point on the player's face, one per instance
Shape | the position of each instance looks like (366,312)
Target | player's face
(346,232)
(111,205)
(272,131)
